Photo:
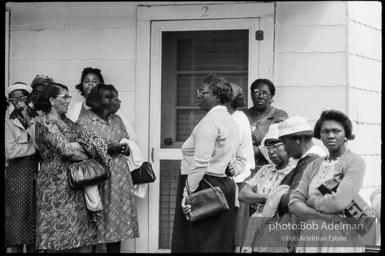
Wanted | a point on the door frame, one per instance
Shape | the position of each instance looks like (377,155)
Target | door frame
(148,208)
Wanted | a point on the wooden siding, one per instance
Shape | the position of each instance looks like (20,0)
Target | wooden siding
(309,101)
(365,64)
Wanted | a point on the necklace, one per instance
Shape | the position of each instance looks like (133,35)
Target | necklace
(328,160)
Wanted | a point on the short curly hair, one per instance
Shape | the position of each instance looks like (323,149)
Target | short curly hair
(52,90)
(85,72)
(220,87)
(100,92)
(263,81)
(338,116)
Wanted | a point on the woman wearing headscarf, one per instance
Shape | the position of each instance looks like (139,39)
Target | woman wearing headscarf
(296,136)
(119,218)
(334,129)
(89,78)
(62,218)
(259,188)
(20,153)
(206,153)
(262,115)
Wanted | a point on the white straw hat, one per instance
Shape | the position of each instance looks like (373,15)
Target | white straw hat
(18,86)
(292,125)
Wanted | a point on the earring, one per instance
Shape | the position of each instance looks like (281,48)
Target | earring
(345,139)
(298,142)
(52,103)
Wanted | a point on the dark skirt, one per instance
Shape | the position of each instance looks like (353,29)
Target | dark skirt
(20,201)
(215,234)
(181,230)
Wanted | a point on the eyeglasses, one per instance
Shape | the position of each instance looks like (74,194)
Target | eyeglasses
(65,97)
(201,92)
(263,94)
(16,100)
(274,147)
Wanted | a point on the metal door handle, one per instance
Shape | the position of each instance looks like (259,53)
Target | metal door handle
(152,154)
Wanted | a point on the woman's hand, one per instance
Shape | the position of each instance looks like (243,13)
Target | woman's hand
(230,170)
(125,149)
(23,108)
(114,148)
(186,208)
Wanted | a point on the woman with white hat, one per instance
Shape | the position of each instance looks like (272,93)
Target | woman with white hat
(296,135)
(20,196)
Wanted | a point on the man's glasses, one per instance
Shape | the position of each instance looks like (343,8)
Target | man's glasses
(274,147)
(14,100)
(65,97)
(263,94)
(201,92)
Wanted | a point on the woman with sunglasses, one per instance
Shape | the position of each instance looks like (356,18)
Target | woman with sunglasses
(206,153)
(262,115)
(20,153)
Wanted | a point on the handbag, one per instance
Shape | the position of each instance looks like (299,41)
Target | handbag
(206,203)
(87,173)
(144,174)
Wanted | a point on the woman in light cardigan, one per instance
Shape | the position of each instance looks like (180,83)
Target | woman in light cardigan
(334,129)
(206,153)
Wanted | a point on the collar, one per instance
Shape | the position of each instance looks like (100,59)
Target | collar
(317,150)
(218,107)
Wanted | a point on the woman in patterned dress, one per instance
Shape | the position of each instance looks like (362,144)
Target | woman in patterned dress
(62,218)
(20,196)
(120,220)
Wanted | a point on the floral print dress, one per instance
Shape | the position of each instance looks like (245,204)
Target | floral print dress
(120,220)
(62,219)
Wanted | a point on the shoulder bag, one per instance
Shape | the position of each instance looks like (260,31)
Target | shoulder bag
(144,174)
(206,203)
(87,173)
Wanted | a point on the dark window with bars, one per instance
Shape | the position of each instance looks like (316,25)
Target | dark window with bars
(187,57)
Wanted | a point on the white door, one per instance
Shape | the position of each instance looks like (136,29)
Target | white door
(182,53)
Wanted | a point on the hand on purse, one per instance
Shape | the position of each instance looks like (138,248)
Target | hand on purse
(125,149)
(186,208)
(114,148)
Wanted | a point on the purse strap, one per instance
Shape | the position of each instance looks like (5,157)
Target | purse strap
(188,187)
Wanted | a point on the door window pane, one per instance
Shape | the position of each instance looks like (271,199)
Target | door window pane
(187,57)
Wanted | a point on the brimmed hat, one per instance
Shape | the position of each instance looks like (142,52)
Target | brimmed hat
(18,86)
(41,79)
(292,125)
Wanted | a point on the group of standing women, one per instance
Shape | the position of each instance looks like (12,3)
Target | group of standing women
(280,180)
(42,211)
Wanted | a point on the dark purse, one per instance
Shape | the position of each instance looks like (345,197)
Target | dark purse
(206,203)
(358,211)
(144,174)
(87,173)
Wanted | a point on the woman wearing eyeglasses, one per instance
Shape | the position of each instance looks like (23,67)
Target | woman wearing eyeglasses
(20,153)
(62,219)
(206,153)
(262,115)
(257,189)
